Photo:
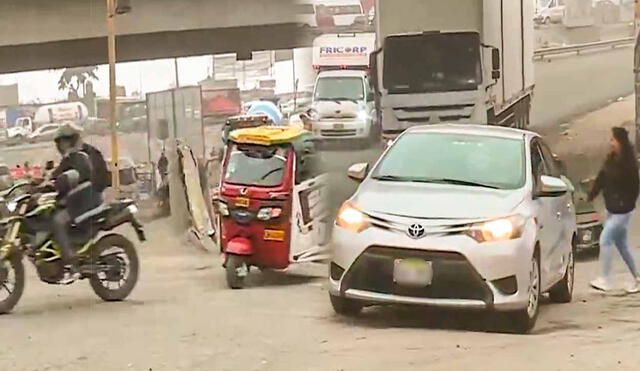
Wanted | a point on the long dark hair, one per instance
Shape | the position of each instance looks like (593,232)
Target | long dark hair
(626,157)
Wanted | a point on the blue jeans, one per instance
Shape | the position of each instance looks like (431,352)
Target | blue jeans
(615,234)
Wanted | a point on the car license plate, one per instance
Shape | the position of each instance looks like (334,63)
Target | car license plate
(338,126)
(273,235)
(412,272)
(242,202)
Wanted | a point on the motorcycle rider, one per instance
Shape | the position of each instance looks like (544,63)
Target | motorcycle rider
(76,195)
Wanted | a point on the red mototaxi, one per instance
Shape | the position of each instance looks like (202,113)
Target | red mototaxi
(269,216)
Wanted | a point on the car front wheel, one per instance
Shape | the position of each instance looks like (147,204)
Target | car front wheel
(524,320)
(562,292)
(345,306)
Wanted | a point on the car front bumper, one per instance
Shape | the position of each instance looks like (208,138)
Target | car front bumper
(466,274)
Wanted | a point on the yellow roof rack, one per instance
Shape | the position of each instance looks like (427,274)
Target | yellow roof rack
(267,135)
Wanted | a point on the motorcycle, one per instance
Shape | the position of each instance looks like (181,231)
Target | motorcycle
(109,261)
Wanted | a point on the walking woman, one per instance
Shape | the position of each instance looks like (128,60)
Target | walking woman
(618,180)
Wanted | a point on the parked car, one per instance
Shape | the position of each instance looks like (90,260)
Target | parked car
(482,221)
(44,133)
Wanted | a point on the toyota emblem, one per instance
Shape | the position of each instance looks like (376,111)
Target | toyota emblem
(416,231)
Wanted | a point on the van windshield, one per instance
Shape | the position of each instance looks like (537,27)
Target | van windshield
(339,88)
(256,165)
(432,63)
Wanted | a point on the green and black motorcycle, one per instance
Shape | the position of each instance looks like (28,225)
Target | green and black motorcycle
(108,260)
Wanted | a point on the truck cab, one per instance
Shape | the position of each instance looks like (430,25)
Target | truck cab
(459,61)
(20,130)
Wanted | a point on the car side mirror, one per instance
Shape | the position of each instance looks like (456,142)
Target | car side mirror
(551,186)
(358,172)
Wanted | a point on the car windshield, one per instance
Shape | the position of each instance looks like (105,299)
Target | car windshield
(339,88)
(460,159)
(256,165)
(432,63)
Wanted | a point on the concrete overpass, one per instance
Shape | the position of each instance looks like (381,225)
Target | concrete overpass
(43,34)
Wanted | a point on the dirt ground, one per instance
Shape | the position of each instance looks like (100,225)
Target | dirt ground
(182,317)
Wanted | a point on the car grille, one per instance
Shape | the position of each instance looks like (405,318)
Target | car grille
(453,275)
(338,133)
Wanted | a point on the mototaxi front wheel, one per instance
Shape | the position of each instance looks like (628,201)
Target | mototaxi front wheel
(117,266)
(236,269)
(12,281)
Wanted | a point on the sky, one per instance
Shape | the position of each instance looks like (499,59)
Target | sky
(145,77)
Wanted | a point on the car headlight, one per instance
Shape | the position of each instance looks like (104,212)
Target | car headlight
(268,213)
(363,115)
(503,229)
(223,209)
(352,219)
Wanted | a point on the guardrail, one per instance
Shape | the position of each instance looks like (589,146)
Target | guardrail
(578,48)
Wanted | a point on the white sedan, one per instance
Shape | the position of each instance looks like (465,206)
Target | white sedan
(457,216)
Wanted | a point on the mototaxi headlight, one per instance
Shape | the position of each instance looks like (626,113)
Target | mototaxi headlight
(503,229)
(352,219)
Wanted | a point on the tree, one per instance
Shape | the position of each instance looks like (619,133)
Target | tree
(74,80)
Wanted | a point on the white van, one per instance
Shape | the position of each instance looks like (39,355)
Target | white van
(345,12)
(343,104)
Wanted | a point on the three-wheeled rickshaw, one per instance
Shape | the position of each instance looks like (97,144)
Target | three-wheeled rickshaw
(271,202)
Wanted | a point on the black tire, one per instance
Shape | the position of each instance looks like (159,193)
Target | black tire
(345,306)
(562,292)
(7,304)
(133,266)
(234,281)
(524,320)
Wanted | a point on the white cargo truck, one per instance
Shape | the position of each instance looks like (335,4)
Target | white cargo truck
(343,104)
(453,61)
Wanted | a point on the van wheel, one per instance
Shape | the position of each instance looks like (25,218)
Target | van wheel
(344,306)
(562,292)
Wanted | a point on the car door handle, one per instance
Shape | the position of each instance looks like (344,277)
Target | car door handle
(559,215)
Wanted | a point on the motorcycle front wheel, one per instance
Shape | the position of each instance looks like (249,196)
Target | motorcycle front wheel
(117,265)
(11,283)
